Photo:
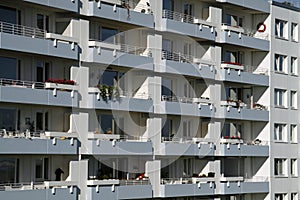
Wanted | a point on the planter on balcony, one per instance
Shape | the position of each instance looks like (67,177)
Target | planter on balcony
(60,86)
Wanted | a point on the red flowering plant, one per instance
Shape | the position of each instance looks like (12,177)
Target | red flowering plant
(61,81)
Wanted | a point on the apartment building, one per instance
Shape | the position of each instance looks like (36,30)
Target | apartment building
(149,99)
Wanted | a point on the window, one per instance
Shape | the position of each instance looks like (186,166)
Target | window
(293,100)
(8,68)
(8,119)
(188,167)
(280,98)
(234,20)
(236,57)
(188,11)
(167,129)
(42,169)
(232,130)
(168,5)
(280,64)
(293,133)
(294,196)
(109,35)
(280,132)
(110,125)
(280,196)
(280,167)
(42,22)
(294,167)
(294,32)
(8,15)
(294,66)
(113,78)
(280,28)
(42,71)
(9,170)
(187,126)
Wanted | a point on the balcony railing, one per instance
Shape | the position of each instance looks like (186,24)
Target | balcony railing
(130,5)
(21,30)
(119,47)
(134,182)
(192,180)
(241,31)
(183,58)
(191,100)
(181,17)
(21,84)
(97,135)
(36,185)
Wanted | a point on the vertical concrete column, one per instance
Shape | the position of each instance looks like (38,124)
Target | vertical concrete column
(80,30)
(217,170)
(81,76)
(153,172)
(156,6)
(154,126)
(79,174)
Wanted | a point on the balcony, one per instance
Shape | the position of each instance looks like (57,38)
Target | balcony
(53,190)
(119,189)
(28,92)
(114,144)
(259,5)
(239,185)
(241,111)
(234,72)
(17,142)
(172,105)
(174,146)
(237,147)
(182,187)
(32,40)
(120,55)
(122,11)
(177,63)
(126,101)
(187,25)
(238,36)
(68,5)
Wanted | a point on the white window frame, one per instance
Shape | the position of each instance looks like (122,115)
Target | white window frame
(280,133)
(281,164)
(281,196)
(280,98)
(294,196)
(293,133)
(294,99)
(294,32)
(294,66)
(280,64)
(281,29)
(294,167)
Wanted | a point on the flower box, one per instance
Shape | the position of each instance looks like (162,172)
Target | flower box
(60,86)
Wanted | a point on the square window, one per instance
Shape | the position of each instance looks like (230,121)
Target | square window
(279,132)
(281,29)
(293,133)
(294,32)
(280,64)
(294,167)
(280,167)
(294,66)
(293,100)
(280,98)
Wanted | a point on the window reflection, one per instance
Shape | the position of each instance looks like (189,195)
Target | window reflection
(8,15)
(8,67)
(8,119)
(8,170)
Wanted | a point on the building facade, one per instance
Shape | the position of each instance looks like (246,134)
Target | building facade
(149,99)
